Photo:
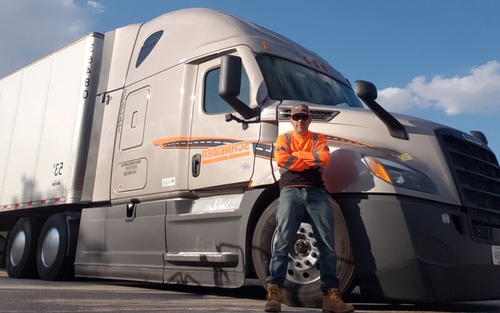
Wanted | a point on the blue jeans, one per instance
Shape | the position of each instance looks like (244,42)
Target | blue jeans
(293,204)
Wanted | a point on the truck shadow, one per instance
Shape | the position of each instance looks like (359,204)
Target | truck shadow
(362,304)
(370,305)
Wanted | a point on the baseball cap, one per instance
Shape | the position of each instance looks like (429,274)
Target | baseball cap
(300,109)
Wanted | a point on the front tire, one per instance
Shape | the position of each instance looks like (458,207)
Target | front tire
(21,249)
(52,261)
(303,284)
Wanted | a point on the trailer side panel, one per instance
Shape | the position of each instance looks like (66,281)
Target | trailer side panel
(45,116)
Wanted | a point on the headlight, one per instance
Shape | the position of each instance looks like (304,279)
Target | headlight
(400,175)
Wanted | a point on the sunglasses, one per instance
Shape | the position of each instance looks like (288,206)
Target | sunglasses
(300,117)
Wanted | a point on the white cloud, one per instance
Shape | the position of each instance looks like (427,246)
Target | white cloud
(96,5)
(35,28)
(479,92)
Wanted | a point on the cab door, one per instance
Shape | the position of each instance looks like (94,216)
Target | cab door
(221,153)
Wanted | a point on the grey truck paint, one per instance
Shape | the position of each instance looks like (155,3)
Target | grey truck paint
(127,130)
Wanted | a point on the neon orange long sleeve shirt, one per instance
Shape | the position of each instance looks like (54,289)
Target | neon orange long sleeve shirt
(300,158)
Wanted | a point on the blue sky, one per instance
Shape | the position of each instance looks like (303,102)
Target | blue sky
(435,59)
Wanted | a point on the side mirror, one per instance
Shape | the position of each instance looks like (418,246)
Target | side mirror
(230,84)
(365,90)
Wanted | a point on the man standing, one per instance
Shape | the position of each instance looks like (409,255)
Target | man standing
(301,155)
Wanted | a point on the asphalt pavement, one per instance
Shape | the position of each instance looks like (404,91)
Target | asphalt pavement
(84,295)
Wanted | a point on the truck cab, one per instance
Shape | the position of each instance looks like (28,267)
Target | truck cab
(176,181)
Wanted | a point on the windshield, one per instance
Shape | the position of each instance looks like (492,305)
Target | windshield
(286,80)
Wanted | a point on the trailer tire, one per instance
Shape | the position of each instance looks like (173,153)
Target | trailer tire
(4,250)
(303,284)
(52,261)
(21,248)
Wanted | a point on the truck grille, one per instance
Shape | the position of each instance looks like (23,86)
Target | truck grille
(477,177)
(317,115)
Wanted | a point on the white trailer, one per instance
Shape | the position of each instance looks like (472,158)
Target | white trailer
(146,154)
(46,119)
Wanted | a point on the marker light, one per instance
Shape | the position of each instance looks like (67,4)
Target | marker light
(377,169)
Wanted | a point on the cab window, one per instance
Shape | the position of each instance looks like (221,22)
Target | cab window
(147,47)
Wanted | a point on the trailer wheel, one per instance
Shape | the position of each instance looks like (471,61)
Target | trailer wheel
(21,249)
(303,284)
(52,262)
(3,248)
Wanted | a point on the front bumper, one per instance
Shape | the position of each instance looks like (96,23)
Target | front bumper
(408,249)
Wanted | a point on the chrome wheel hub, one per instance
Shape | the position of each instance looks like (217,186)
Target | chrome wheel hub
(303,263)
(17,248)
(50,247)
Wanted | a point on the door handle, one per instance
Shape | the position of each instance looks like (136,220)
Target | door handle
(131,208)
(196,165)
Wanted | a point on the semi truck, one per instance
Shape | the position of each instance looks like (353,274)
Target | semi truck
(146,154)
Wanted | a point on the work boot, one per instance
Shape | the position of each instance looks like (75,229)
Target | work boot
(273,298)
(332,303)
